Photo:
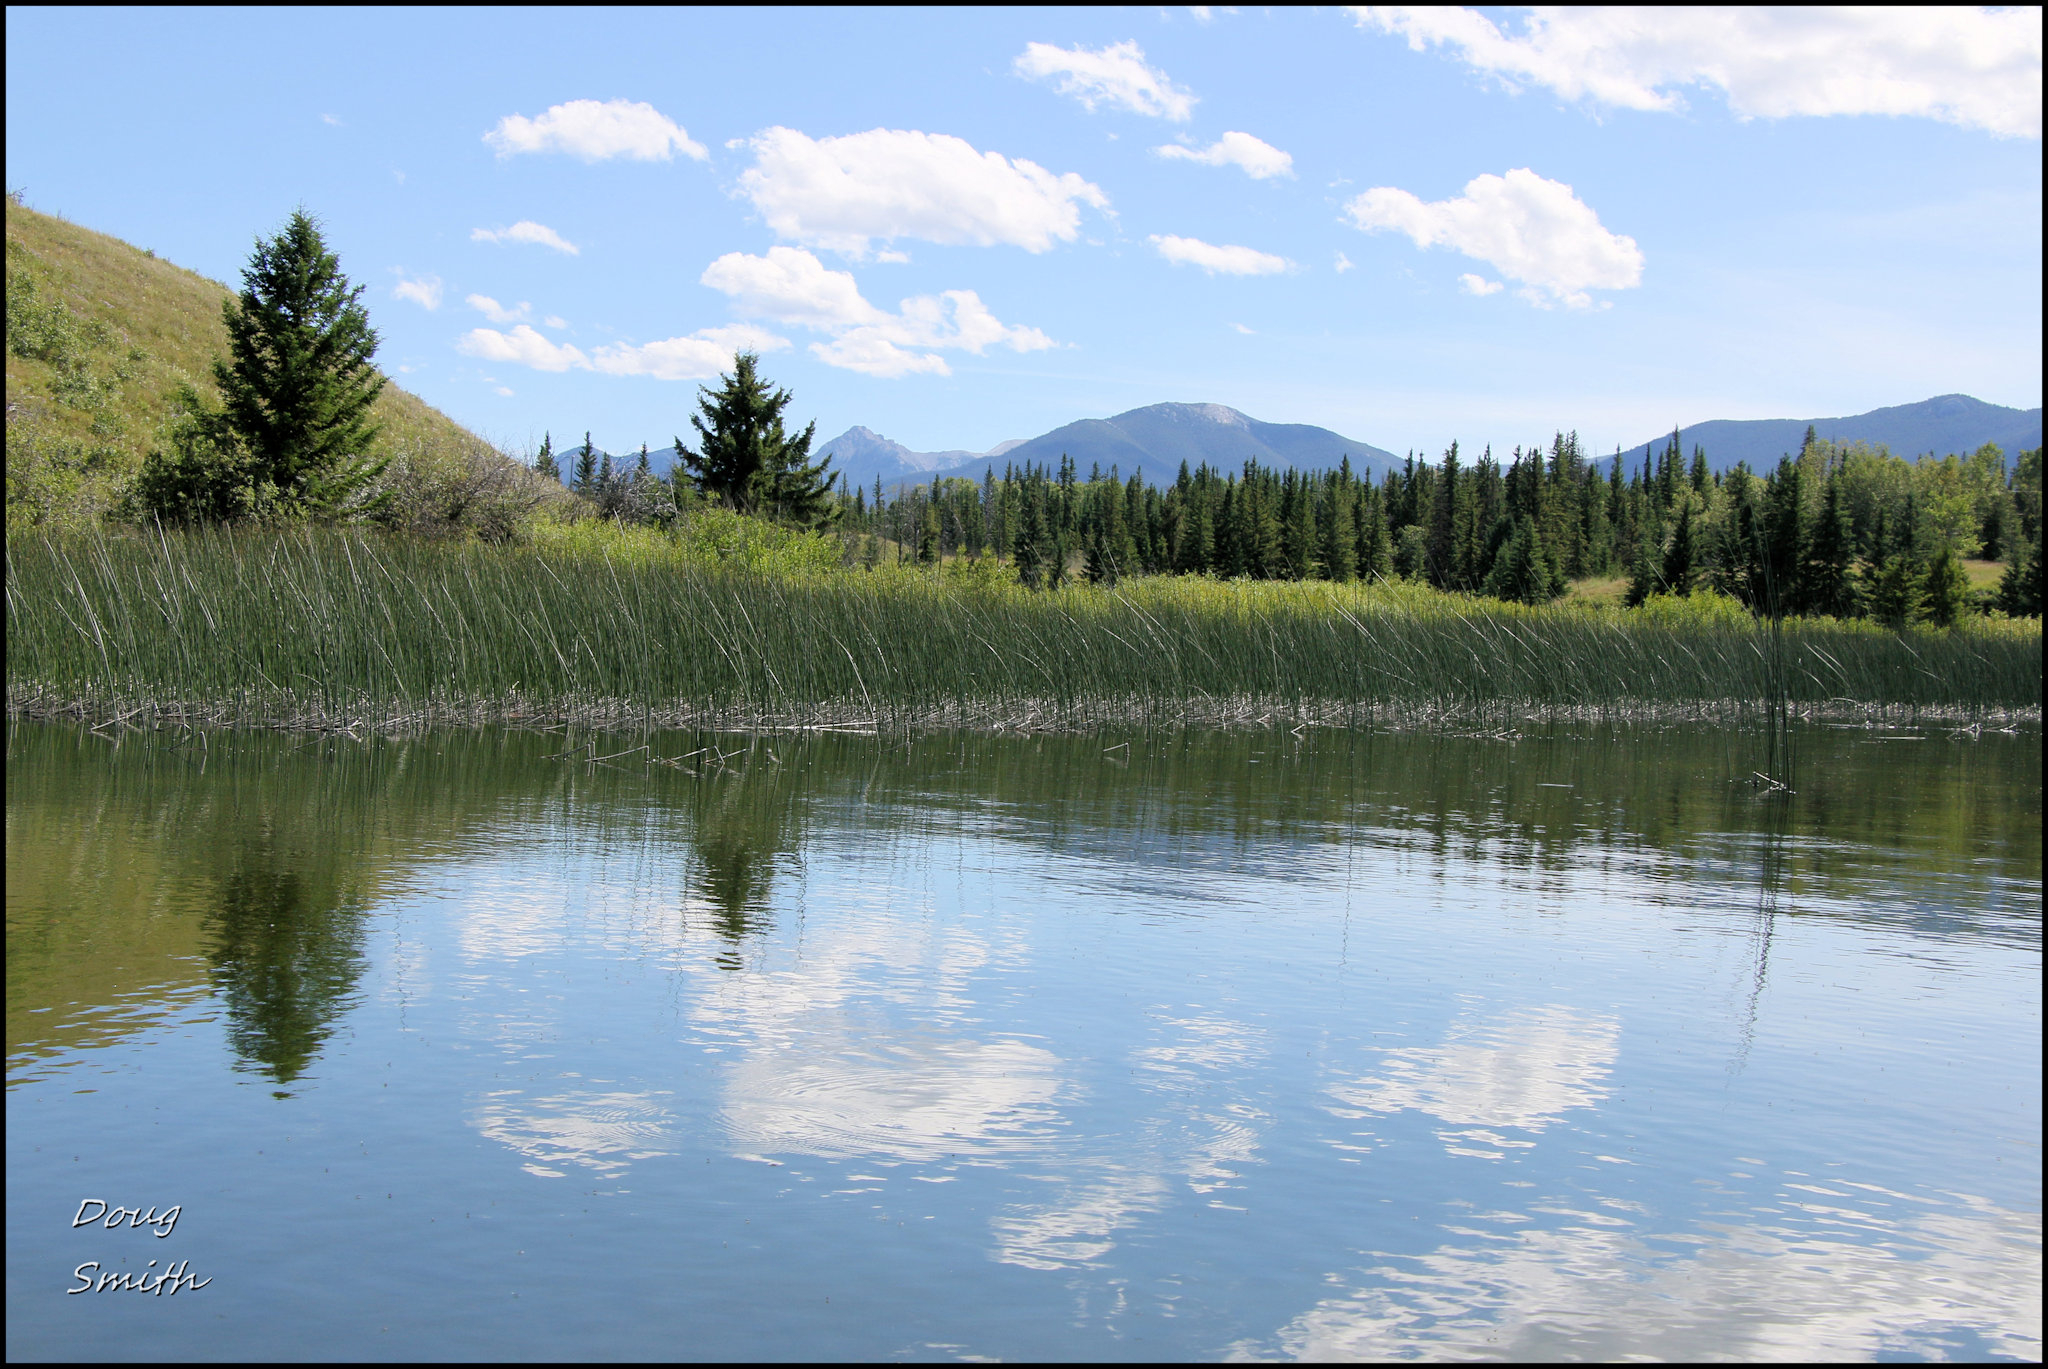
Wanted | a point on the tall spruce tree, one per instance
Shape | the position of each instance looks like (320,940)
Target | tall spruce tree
(1644,573)
(1298,529)
(1524,571)
(2019,589)
(1897,596)
(297,384)
(1825,577)
(586,467)
(544,461)
(1678,557)
(1782,553)
(1030,553)
(1947,589)
(1440,564)
(1339,525)
(1375,541)
(747,461)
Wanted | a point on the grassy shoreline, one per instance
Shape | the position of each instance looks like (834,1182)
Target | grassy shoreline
(330,630)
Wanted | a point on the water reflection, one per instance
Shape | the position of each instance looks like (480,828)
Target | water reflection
(601,1131)
(286,949)
(1961,1283)
(743,815)
(870,1049)
(1087,1005)
(1522,1070)
(1191,1129)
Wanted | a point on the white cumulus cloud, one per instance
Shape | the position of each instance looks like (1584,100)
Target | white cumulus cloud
(844,194)
(1528,228)
(706,353)
(496,312)
(869,353)
(523,346)
(1259,159)
(596,131)
(1343,263)
(1115,75)
(700,356)
(1478,285)
(1979,68)
(555,321)
(424,291)
(526,230)
(1228,261)
(791,286)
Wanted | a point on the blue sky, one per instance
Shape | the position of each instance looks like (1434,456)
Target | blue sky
(958,226)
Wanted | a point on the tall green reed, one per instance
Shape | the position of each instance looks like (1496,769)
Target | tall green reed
(326,626)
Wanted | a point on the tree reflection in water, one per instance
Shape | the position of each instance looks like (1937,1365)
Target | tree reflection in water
(743,817)
(286,947)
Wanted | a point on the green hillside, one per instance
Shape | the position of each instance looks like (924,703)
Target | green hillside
(99,336)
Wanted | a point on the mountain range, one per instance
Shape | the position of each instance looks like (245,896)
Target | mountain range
(1944,424)
(1157,438)
(1154,440)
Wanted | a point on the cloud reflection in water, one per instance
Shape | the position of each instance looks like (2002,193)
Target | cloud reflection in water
(1522,1071)
(1962,1283)
(871,1049)
(599,1131)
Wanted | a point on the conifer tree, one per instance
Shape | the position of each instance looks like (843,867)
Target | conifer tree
(1441,559)
(747,461)
(1238,540)
(297,384)
(1115,548)
(1643,574)
(2019,589)
(1030,550)
(1825,578)
(1196,552)
(1678,557)
(1339,526)
(1897,598)
(1375,550)
(586,467)
(544,462)
(1598,532)
(1947,589)
(1782,553)
(1523,572)
(1141,544)
(1298,537)
(991,511)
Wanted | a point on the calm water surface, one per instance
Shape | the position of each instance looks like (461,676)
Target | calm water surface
(1562,1045)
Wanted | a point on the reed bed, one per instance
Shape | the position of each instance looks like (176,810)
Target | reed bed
(333,629)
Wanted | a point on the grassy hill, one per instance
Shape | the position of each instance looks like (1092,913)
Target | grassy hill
(99,336)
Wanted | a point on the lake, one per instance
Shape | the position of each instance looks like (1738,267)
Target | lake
(1571,1042)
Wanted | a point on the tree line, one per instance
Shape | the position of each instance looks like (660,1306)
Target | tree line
(1838,530)
(1842,530)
